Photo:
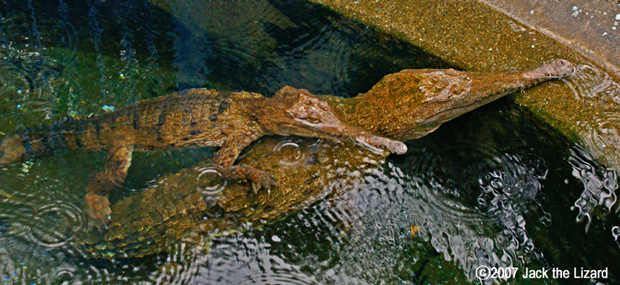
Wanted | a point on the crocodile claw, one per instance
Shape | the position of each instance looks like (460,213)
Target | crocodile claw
(267,181)
(100,224)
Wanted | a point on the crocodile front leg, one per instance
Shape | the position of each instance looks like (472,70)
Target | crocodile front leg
(229,152)
(112,176)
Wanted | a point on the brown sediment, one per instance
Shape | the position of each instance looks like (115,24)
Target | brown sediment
(588,27)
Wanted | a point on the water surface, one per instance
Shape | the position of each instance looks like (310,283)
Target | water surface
(495,187)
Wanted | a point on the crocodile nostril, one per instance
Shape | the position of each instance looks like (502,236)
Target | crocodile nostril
(400,147)
(300,115)
(562,67)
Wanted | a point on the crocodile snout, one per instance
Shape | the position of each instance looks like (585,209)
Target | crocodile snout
(564,68)
(386,144)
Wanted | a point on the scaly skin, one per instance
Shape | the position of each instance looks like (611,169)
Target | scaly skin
(404,105)
(190,118)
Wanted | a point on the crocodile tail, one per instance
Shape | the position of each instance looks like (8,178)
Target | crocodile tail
(35,142)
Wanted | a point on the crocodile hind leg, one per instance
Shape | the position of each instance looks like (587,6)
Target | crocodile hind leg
(229,152)
(112,176)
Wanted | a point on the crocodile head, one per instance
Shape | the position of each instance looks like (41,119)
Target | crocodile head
(424,99)
(302,114)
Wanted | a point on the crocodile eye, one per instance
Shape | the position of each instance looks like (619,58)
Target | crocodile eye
(313,120)
(323,105)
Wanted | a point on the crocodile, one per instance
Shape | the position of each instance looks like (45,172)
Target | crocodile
(189,118)
(403,106)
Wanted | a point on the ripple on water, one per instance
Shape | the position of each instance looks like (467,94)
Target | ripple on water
(211,183)
(601,133)
(615,233)
(468,209)
(290,151)
(243,259)
(471,201)
(65,275)
(21,226)
(589,82)
(499,176)
(182,263)
(55,224)
(306,52)
(600,184)
(27,77)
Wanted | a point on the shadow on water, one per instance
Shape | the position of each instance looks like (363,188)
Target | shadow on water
(494,188)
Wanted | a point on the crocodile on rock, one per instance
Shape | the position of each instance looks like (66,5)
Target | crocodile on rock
(189,118)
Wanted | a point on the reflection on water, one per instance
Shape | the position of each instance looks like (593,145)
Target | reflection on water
(251,260)
(601,136)
(494,188)
(600,185)
(589,82)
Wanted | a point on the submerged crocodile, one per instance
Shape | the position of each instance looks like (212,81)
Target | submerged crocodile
(191,206)
(402,106)
(190,118)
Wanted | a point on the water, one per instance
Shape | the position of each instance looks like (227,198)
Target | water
(495,187)
(595,87)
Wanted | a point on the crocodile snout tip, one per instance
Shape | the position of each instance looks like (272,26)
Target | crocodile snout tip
(398,147)
(389,145)
(392,146)
(561,68)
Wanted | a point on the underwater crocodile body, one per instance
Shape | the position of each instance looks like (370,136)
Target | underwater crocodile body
(190,118)
(404,105)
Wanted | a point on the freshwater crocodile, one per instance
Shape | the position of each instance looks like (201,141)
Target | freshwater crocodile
(189,118)
(405,105)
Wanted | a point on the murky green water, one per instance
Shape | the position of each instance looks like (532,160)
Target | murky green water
(494,188)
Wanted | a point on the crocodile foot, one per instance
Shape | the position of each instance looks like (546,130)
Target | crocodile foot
(98,211)
(260,179)
(267,181)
